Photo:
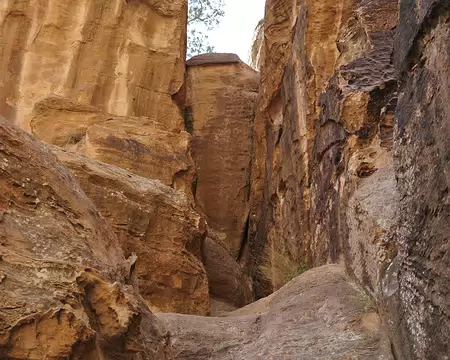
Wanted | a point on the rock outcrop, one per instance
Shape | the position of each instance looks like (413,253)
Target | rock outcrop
(323,164)
(63,276)
(125,58)
(104,78)
(319,315)
(158,225)
(137,144)
(422,150)
(221,92)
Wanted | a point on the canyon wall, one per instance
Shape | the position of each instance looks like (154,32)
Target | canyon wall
(122,57)
(350,156)
(422,154)
(323,166)
(193,182)
(83,73)
(106,80)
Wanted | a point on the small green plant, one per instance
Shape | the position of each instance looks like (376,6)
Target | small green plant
(278,267)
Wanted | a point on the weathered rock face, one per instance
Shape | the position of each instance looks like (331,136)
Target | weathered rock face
(318,315)
(221,92)
(324,172)
(139,145)
(63,276)
(156,223)
(228,280)
(123,57)
(422,165)
(103,78)
(322,167)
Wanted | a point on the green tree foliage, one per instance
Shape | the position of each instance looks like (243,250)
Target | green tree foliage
(203,16)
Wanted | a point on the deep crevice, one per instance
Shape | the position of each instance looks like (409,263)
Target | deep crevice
(244,241)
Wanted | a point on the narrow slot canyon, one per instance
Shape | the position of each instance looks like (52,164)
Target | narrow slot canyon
(157,206)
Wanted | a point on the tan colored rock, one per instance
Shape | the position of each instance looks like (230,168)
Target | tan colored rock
(280,18)
(221,92)
(124,57)
(139,145)
(227,278)
(144,149)
(319,315)
(323,170)
(63,291)
(156,223)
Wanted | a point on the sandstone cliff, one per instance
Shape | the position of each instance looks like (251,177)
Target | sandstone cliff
(122,57)
(221,93)
(422,153)
(329,184)
(201,183)
(63,276)
(323,164)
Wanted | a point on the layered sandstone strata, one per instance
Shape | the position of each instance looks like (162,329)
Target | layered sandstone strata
(102,77)
(221,92)
(63,276)
(155,223)
(137,144)
(122,57)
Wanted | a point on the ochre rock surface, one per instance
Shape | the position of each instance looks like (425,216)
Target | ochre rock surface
(322,175)
(319,315)
(422,149)
(156,223)
(63,276)
(330,184)
(126,58)
(221,92)
(228,280)
(136,144)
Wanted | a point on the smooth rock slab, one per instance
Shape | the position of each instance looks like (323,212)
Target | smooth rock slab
(319,315)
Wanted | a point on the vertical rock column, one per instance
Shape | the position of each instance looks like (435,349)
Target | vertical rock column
(221,91)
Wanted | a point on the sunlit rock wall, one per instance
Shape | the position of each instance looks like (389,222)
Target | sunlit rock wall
(123,57)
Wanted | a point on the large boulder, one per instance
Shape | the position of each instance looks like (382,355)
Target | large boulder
(155,222)
(138,144)
(64,289)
